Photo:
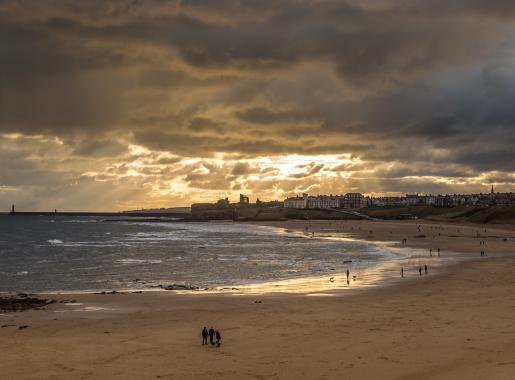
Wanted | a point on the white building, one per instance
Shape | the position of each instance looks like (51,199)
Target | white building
(296,202)
(325,201)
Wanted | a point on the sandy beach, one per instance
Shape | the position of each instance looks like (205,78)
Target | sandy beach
(456,324)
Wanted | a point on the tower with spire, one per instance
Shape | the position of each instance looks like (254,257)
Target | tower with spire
(492,191)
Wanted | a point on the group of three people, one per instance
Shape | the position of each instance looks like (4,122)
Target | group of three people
(212,335)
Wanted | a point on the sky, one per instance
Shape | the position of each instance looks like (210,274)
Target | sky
(116,105)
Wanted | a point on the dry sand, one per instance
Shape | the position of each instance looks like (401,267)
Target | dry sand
(458,324)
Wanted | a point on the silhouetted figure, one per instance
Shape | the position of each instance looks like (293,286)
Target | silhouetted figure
(204,336)
(211,335)
(420,271)
(218,338)
(402,272)
(348,273)
(425,269)
(438,252)
(431,252)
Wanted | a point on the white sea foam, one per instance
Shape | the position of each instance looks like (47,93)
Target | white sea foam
(80,221)
(138,261)
(55,241)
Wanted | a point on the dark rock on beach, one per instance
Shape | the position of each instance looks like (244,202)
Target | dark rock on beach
(175,287)
(179,287)
(22,302)
(67,301)
(111,292)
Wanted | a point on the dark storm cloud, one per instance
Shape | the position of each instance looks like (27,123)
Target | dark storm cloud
(200,124)
(422,83)
(244,168)
(103,148)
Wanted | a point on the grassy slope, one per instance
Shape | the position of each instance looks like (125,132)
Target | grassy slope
(504,215)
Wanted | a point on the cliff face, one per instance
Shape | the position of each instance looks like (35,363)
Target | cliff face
(261,214)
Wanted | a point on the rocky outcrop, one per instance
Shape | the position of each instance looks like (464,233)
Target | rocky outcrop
(22,302)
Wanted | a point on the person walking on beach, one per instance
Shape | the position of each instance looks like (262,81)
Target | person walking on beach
(425,269)
(438,252)
(431,252)
(348,274)
(420,271)
(402,272)
(211,335)
(218,338)
(204,336)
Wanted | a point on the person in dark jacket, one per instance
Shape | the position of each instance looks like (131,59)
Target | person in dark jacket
(211,335)
(204,336)
(218,338)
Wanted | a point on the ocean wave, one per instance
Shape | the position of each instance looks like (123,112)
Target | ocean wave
(55,241)
(79,221)
(138,261)
(95,245)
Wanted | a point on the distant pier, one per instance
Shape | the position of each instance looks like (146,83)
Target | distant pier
(103,214)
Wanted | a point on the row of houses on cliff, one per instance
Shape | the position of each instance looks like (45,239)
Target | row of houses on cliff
(349,200)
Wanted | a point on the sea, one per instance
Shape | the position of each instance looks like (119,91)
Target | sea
(74,254)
